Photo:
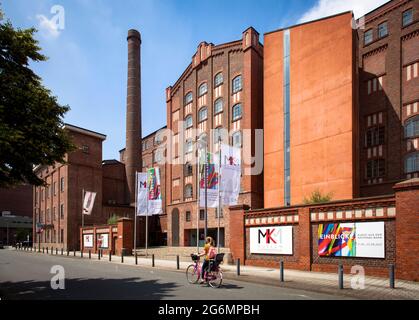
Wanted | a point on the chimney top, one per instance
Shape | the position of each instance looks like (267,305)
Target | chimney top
(132,33)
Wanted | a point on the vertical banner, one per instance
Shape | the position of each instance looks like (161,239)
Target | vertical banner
(154,192)
(142,193)
(230,175)
(89,200)
(212,181)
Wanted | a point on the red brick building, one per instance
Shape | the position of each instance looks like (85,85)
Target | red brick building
(221,89)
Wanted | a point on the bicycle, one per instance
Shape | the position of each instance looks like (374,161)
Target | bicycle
(213,276)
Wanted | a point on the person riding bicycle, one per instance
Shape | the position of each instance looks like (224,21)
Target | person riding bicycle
(209,253)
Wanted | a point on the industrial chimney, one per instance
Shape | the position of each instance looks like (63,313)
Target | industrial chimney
(133,158)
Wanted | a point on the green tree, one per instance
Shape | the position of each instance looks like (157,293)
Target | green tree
(113,219)
(317,197)
(31,119)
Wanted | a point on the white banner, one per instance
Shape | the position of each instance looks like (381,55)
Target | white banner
(89,200)
(155,205)
(271,240)
(88,240)
(212,181)
(142,193)
(230,175)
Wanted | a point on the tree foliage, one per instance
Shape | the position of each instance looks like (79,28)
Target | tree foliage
(113,219)
(317,197)
(31,119)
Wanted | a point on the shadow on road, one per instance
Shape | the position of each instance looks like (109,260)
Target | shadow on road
(88,289)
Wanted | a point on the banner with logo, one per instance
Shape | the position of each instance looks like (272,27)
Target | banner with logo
(211,170)
(88,240)
(142,193)
(360,239)
(89,200)
(155,205)
(271,240)
(102,240)
(230,175)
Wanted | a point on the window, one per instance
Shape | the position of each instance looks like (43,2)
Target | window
(188,98)
(157,155)
(218,80)
(201,214)
(407,17)
(202,114)
(382,30)
(188,216)
(54,214)
(62,236)
(237,84)
(188,191)
(55,188)
(375,168)
(85,149)
(62,211)
(203,89)
(411,128)
(62,184)
(48,218)
(217,134)
(237,139)
(188,122)
(218,106)
(188,170)
(375,137)
(237,112)
(144,145)
(188,146)
(412,163)
(216,213)
(368,37)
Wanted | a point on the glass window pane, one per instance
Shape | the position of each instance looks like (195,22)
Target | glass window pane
(368,36)
(203,89)
(382,30)
(218,106)
(237,84)
(218,80)
(407,17)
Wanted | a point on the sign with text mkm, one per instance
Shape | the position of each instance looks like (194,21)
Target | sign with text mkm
(271,240)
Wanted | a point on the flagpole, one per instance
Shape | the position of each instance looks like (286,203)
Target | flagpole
(219,193)
(146,219)
(135,212)
(198,203)
(82,220)
(206,195)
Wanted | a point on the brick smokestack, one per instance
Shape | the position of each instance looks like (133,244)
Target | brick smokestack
(133,159)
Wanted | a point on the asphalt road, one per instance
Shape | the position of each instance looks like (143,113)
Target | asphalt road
(25,275)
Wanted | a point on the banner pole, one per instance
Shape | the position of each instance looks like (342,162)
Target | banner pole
(198,188)
(206,195)
(135,212)
(82,220)
(219,193)
(146,217)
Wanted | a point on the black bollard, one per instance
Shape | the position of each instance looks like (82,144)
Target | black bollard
(43,250)
(56,251)
(62,251)
(238,266)
(152,260)
(340,275)
(81,253)
(110,255)
(281,271)
(392,276)
(47,250)
(74,253)
(136,257)
(177,262)
(52,250)
(99,253)
(122,255)
(90,254)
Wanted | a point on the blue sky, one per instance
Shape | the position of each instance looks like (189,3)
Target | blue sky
(87,63)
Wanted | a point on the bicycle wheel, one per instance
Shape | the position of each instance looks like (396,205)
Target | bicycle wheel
(216,279)
(192,274)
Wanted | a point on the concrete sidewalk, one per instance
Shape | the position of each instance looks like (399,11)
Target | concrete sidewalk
(374,287)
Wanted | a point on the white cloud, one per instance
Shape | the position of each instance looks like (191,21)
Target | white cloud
(49,28)
(324,8)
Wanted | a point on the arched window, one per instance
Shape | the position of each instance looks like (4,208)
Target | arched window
(237,112)
(203,89)
(237,84)
(412,163)
(188,191)
(188,146)
(237,139)
(218,80)
(218,106)
(188,169)
(202,114)
(188,122)
(217,134)
(411,128)
(188,98)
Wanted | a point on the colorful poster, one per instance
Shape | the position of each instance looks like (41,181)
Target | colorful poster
(230,175)
(88,240)
(361,239)
(271,240)
(154,205)
(89,200)
(211,170)
(103,240)
(142,193)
